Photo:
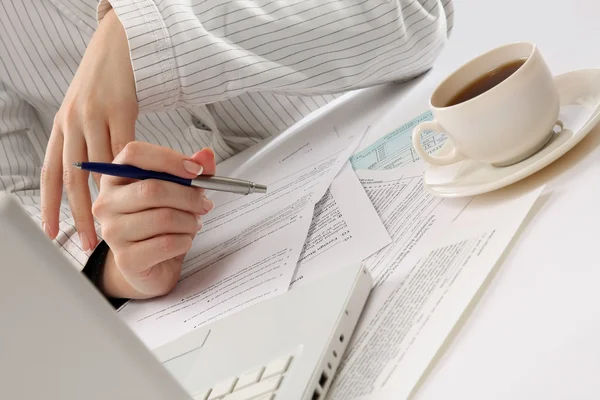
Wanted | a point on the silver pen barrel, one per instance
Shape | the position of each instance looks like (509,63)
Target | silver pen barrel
(224,184)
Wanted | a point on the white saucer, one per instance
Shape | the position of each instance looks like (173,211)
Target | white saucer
(580,111)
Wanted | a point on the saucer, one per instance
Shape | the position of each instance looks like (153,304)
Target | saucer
(579,112)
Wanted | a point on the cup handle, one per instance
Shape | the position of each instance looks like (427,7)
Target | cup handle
(451,158)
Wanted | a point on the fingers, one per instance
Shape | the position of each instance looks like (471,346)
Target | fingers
(51,185)
(78,192)
(148,224)
(151,193)
(158,280)
(155,158)
(206,158)
(139,256)
(98,146)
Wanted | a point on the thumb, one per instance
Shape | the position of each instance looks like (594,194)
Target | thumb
(206,158)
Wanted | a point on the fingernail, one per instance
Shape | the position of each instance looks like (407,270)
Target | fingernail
(207,204)
(200,225)
(209,149)
(192,167)
(85,242)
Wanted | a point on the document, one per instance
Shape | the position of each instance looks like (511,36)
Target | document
(392,176)
(409,213)
(408,318)
(249,246)
(395,149)
(345,229)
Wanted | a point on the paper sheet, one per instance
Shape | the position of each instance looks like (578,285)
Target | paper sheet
(345,228)
(395,149)
(408,319)
(249,246)
(392,175)
(408,212)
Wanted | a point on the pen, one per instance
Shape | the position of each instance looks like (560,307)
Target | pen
(219,183)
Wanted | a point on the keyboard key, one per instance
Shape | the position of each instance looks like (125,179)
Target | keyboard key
(202,395)
(277,367)
(249,378)
(263,387)
(222,388)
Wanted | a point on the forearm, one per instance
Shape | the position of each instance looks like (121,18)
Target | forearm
(184,55)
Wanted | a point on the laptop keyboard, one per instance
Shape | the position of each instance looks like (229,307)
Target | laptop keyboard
(260,383)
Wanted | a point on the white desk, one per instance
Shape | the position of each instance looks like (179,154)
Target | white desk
(535,331)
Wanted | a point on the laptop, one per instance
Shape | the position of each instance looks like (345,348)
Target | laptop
(60,339)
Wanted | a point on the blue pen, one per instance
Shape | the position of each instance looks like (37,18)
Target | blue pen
(219,183)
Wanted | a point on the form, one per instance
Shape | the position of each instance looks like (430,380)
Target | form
(409,213)
(249,246)
(345,228)
(392,176)
(395,149)
(408,318)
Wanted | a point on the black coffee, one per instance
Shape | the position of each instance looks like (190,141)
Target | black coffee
(486,82)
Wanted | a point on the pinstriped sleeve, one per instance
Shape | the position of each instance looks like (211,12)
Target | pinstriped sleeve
(190,52)
(151,51)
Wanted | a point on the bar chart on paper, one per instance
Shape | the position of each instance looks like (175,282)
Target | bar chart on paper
(395,149)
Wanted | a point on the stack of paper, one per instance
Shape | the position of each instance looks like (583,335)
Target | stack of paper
(429,256)
(442,251)
(250,246)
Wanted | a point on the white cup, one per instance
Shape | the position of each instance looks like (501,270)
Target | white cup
(502,126)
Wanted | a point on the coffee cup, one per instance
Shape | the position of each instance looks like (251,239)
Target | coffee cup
(499,108)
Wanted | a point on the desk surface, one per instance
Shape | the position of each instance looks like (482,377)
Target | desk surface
(535,331)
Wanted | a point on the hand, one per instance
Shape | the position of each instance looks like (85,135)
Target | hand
(149,225)
(95,121)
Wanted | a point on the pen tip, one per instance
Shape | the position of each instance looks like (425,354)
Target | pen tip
(77,164)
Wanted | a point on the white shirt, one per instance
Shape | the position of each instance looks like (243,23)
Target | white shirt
(224,74)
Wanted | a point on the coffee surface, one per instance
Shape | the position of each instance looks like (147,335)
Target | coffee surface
(485,82)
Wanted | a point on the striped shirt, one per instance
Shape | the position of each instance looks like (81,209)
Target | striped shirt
(224,74)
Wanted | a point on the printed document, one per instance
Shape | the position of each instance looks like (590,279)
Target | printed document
(250,245)
(345,228)
(408,318)
(408,212)
(442,251)
(395,150)
(392,175)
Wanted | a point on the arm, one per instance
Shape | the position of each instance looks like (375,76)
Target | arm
(145,237)
(199,52)
(21,144)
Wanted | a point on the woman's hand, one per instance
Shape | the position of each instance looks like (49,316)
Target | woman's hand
(95,121)
(149,225)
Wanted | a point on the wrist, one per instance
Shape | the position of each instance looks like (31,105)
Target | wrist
(106,286)
(113,283)
(159,86)
(103,273)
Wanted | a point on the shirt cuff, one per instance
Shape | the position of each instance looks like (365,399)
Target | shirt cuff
(94,268)
(152,57)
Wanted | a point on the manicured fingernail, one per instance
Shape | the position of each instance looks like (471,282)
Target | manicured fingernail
(199,224)
(85,242)
(46,229)
(192,167)
(207,204)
